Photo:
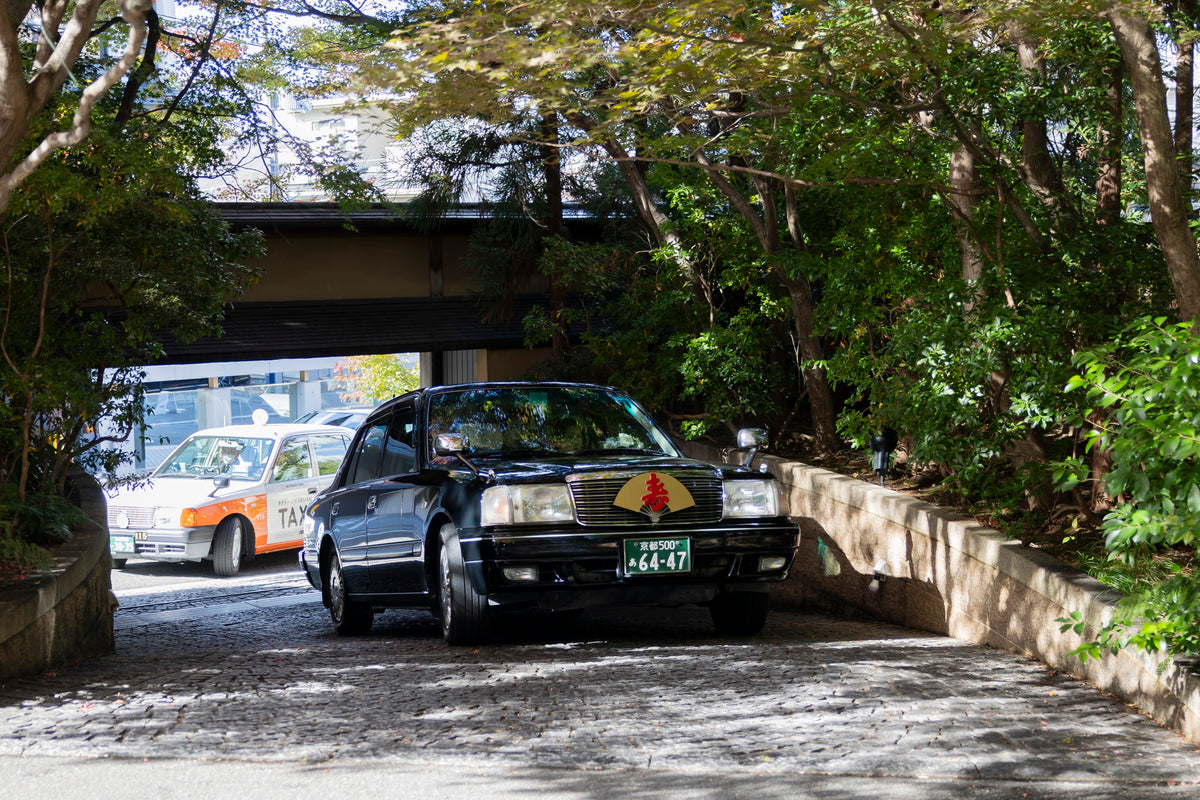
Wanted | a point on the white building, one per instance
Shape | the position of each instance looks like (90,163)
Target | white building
(327,131)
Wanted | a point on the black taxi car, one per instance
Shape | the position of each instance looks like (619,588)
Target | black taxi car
(484,497)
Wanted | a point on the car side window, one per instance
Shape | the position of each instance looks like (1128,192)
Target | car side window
(369,453)
(294,461)
(329,450)
(399,455)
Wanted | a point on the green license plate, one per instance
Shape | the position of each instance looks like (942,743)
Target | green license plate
(118,543)
(657,556)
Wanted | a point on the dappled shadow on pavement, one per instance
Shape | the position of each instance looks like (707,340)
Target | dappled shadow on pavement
(645,694)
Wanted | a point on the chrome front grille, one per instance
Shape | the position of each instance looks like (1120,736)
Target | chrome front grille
(138,517)
(594,494)
(162,549)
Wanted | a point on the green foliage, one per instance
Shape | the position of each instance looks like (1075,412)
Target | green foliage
(28,525)
(738,370)
(375,378)
(1163,617)
(625,310)
(813,142)
(107,248)
(1148,379)
(1147,383)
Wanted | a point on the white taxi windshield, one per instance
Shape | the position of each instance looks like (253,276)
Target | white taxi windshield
(237,457)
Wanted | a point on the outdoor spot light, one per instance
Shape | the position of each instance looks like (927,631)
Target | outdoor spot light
(878,576)
(882,446)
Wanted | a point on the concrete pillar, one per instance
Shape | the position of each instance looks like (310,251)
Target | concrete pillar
(306,395)
(214,407)
(432,373)
(461,366)
(451,366)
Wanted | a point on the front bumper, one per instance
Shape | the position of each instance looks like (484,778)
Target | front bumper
(581,567)
(310,566)
(163,544)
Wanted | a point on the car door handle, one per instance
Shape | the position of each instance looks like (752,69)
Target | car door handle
(371,503)
(333,512)
(312,490)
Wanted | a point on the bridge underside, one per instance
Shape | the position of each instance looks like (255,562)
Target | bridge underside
(329,328)
(336,283)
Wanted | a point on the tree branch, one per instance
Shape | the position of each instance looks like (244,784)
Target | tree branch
(134,12)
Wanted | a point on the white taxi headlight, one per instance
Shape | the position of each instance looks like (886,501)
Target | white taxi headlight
(756,497)
(167,517)
(524,505)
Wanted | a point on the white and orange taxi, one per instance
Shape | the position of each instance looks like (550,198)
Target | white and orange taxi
(226,494)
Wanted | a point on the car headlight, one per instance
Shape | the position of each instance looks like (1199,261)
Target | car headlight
(754,497)
(167,517)
(523,505)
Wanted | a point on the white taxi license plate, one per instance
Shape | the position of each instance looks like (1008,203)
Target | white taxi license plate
(658,556)
(121,543)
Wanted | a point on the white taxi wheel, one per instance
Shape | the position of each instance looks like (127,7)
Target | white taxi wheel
(227,547)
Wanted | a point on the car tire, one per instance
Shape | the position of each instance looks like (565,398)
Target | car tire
(464,610)
(227,547)
(739,613)
(349,617)
(119,563)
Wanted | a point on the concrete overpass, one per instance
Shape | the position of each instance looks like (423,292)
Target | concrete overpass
(365,282)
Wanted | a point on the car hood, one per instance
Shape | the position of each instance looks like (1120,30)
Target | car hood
(170,492)
(559,467)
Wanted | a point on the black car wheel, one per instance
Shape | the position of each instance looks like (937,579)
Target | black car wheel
(464,611)
(739,613)
(227,547)
(349,618)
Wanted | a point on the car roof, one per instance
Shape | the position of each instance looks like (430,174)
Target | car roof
(272,431)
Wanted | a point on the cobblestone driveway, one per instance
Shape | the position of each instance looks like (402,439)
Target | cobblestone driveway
(254,671)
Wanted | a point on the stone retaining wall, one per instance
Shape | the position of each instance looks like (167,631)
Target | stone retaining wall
(66,613)
(948,574)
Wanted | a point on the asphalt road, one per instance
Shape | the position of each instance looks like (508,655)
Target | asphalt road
(240,688)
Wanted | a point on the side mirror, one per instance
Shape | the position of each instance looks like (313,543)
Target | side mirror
(448,444)
(751,437)
(750,440)
(453,444)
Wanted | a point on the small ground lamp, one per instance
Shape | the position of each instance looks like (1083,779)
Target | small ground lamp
(882,446)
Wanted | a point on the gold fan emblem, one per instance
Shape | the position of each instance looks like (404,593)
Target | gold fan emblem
(654,494)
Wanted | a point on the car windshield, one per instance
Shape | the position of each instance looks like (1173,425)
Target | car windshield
(238,457)
(545,420)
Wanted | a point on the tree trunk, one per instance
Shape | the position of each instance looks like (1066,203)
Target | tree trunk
(766,228)
(28,99)
(964,186)
(1099,465)
(1108,212)
(22,99)
(1184,89)
(651,215)
(138,77)
(552,165)
(1108,168)
(1168,206)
